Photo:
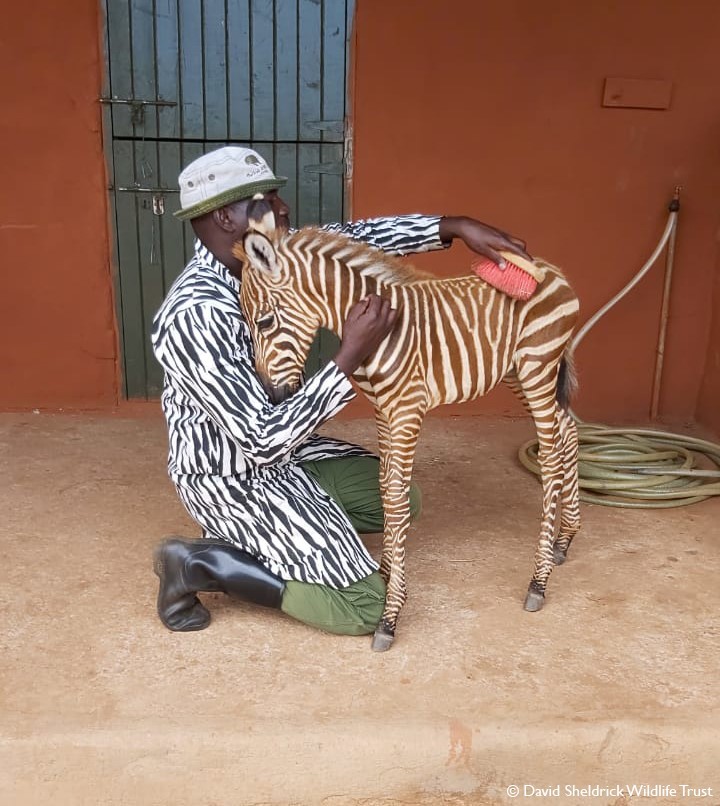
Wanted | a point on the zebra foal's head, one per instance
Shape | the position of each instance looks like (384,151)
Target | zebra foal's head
(282,323)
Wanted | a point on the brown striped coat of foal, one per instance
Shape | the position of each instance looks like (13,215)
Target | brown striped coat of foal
(454,340)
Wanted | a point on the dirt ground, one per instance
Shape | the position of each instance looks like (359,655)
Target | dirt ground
(612,684)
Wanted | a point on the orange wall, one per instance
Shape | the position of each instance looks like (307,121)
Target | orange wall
(449,117)
(57,336)
(493,109)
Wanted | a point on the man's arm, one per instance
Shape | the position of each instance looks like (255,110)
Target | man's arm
(198,347)
(408,234)
(397,235)
(481,238)
(319,446)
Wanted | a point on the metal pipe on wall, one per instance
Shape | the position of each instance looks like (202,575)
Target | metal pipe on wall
(664,311)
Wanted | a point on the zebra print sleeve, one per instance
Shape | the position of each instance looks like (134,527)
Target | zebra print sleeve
(397,235)
(322,447)
(199,350)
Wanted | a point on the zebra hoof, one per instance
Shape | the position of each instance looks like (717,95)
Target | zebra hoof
(534,601)
(559,556)
(382,641)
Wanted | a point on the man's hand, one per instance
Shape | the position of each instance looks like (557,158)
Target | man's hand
(481,238)
(368,323)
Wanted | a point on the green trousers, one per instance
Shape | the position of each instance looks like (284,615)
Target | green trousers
(352,481)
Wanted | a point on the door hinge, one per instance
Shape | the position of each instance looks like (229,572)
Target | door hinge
(138,189)
(343,167)
(335,168)
(137,102)
(348,150)
(332,126)
(137,107)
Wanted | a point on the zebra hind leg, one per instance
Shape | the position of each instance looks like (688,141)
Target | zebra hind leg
(385,446)
(569,509)
(570,496)
(540,395)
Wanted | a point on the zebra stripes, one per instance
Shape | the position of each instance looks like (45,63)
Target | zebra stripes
(454,340)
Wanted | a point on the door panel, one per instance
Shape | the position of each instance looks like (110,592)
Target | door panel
(152,249)
(188,76)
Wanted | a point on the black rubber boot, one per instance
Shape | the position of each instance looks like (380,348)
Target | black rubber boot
(186,567)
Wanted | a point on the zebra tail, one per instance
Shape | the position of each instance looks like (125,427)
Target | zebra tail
(567,383)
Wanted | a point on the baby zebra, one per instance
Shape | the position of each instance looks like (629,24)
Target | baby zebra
(453,340)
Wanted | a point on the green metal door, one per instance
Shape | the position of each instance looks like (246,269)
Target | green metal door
(187,76)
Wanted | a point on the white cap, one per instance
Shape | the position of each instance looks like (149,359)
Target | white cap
(222,177)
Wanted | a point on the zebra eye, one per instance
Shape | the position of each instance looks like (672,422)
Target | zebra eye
(264,322)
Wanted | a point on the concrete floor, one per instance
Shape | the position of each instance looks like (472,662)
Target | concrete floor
(613,683)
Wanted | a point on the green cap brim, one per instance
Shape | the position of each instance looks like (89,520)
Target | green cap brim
(230,196)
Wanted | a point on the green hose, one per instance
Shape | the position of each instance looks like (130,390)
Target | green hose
(639,468)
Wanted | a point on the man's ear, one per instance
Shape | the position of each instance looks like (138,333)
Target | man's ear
(222,219)
(259,252)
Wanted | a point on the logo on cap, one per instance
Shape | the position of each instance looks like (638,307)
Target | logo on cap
(251,159)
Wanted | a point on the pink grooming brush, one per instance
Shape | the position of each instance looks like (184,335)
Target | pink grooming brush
(518,279)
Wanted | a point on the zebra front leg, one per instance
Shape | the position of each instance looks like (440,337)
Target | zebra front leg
(395,488)
(397,522)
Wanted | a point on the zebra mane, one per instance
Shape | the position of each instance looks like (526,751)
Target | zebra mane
(361,258)
(358,257)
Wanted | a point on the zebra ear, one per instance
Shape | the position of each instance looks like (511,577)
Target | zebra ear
(260,214)
(260,252)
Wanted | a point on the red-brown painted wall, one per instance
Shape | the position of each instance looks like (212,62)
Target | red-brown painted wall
(57,330)
(708,411)
(493,110)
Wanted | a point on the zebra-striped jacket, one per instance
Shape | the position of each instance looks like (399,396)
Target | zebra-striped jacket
(232,455)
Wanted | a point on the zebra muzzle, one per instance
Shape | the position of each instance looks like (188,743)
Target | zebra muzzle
(279,393)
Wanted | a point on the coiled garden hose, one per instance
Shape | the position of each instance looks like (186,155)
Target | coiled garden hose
(641,468)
